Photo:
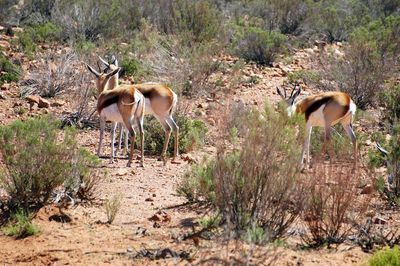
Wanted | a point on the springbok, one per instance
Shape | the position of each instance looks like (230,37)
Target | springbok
(124,104)
(160,101)
(322,110)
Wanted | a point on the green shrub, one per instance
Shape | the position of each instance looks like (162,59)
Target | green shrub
(306,76)
(12,71)
(132,67)
(255,44)
(20,225)
(35,34)
(390,98)
(199,19)
(37,159)
(386,257)
(197,184)
(192,133)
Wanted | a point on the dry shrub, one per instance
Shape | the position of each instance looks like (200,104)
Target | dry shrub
(186,68)
(371,235)
(254,185)
(333,203)
(112,207)
(54,76)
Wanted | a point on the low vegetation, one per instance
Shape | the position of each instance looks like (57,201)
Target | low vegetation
(385,257)
(255,186)
(20,225)
(8,70)
(192,134)
(38,158)
(112,207)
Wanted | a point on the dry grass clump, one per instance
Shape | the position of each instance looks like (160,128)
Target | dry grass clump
(334,205)
(56,75)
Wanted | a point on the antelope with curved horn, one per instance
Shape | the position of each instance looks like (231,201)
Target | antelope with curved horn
(322,110)
(160,101)
(124,104)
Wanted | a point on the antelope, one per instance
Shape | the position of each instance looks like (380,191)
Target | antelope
(123,104)
(160,101)
(322,110)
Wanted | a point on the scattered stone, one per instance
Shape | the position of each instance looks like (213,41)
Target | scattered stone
(17,29)
(5,86)
(188,158)
(122,172)
(5,45)
(368,189)
(2,96)
(160,216)
(57,103)
(379,220)
(43,103)
(32,99)
(149,199)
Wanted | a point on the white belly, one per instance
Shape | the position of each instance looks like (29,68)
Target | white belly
(111,113)
(316,119)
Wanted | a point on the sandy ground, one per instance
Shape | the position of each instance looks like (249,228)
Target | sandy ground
(88,240)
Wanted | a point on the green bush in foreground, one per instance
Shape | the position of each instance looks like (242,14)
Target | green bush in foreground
(38,158)
(20,225)
(386,257)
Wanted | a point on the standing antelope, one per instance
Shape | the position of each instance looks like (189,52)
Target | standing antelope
(124,104)
(160,101)
(322,110)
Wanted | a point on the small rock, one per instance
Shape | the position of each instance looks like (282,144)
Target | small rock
(57,103)
(211,122)
(379,220)
(5,86)
(2,96)
(17,29)
(43,103)
(368,189)
(32,99)
(5,45)
(149,199)
(129,250)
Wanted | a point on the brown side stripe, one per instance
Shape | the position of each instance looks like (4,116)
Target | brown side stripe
(107,102)
(316,105)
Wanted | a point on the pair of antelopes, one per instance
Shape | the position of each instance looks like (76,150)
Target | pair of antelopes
(127,104)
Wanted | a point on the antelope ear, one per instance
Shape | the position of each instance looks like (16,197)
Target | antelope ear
(279,92)
(91,69)
(381,149)
(297,93)
(114,60)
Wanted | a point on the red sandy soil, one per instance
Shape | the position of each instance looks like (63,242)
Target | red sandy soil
(88,240)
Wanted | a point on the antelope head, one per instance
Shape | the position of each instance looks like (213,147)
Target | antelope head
(102,78)
(291,99)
